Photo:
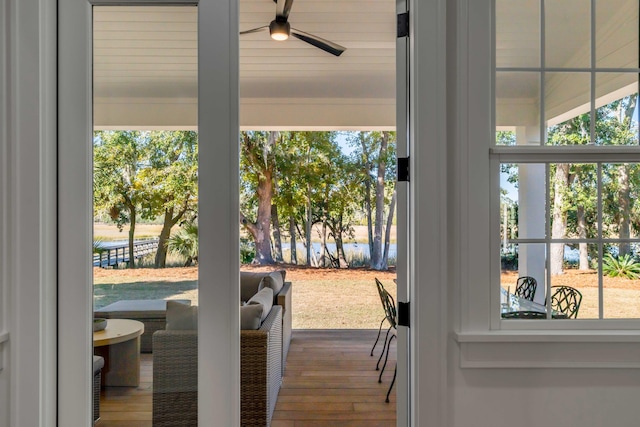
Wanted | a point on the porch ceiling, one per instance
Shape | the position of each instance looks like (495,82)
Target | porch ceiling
(145,64)
(145,67)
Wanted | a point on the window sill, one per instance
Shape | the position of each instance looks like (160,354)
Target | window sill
(549,349)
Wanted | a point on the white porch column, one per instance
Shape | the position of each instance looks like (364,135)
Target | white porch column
(531,213)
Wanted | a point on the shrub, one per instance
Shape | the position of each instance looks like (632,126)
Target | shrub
(621,266)
(185,243)
(247,250)
(509,262)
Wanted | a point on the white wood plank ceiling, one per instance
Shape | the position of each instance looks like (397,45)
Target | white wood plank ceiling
(145,67)
(145,61)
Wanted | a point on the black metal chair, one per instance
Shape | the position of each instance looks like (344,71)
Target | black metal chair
(566,300)
(380,289)
(392,317)
(526,287)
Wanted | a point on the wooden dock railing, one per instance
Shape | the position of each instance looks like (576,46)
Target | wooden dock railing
(112,254)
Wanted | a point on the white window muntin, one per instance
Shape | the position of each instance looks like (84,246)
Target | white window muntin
(547,156)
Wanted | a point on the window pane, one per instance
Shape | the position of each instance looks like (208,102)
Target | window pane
(567,33)
(523,278)
(621,284)
(617,33)
(620,191)
(574,201)
(617,110)
(567,106)
(523,200)
(576,286)
(517,33)
(518,103)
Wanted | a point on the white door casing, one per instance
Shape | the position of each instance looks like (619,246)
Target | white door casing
(219,348)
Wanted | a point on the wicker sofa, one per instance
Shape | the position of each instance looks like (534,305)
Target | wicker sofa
(251,282)
(175,370)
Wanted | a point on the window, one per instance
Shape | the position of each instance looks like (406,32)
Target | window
(567,156)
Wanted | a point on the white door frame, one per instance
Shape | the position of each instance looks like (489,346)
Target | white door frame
(429,290)
(218,106)
(219,347)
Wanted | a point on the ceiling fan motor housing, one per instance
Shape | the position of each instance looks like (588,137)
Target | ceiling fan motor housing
(279,30)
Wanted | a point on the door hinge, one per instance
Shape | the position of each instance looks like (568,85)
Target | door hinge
(403,169)
(403,24)
(404,310)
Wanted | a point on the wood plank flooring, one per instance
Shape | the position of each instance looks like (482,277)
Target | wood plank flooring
(330,380)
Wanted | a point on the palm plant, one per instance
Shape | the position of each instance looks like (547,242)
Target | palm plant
(622,266)
(185,243)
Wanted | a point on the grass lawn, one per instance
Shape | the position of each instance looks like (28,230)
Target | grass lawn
(344,299)
(322,298)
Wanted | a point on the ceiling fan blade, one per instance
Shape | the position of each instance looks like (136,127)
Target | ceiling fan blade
(283,7)
(255,30)
(326,45)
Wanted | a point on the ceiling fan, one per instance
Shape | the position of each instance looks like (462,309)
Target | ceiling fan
(280,29)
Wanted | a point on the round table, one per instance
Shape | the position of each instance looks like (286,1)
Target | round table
(119,345)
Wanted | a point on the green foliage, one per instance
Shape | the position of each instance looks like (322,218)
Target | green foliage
(185,243)
(247,251)
(621,266)
(509,262)
(98,246)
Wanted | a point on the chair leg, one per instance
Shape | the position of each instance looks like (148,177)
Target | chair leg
(385,359)
(386,338)
(378,337)
(395,372)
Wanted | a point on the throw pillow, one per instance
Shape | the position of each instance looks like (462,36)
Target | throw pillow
(273,280)
(181,316)
(264,297)
(251,316)
(249,283)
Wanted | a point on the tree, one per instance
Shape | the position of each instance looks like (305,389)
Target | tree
(375,154)
(258,166)
(118,185)
(172,181)
(575,131)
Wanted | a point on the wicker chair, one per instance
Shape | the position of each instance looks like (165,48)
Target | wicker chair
(526,287)
(98,364)
(175,374)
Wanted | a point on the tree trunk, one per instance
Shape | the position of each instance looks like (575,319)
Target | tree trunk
(559,226)
(276,233)
(292,234)
(367,194)
(337,238)
(165,233)
(132,231)
(323,249)
(387,234)
(307,228)
(582,234)
(624,206)
(376,256)
(261,229)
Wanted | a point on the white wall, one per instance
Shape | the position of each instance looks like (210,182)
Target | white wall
(527,393)
(27,78)
(4,307)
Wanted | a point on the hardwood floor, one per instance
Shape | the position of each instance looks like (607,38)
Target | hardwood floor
(129,406)
(330,380)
